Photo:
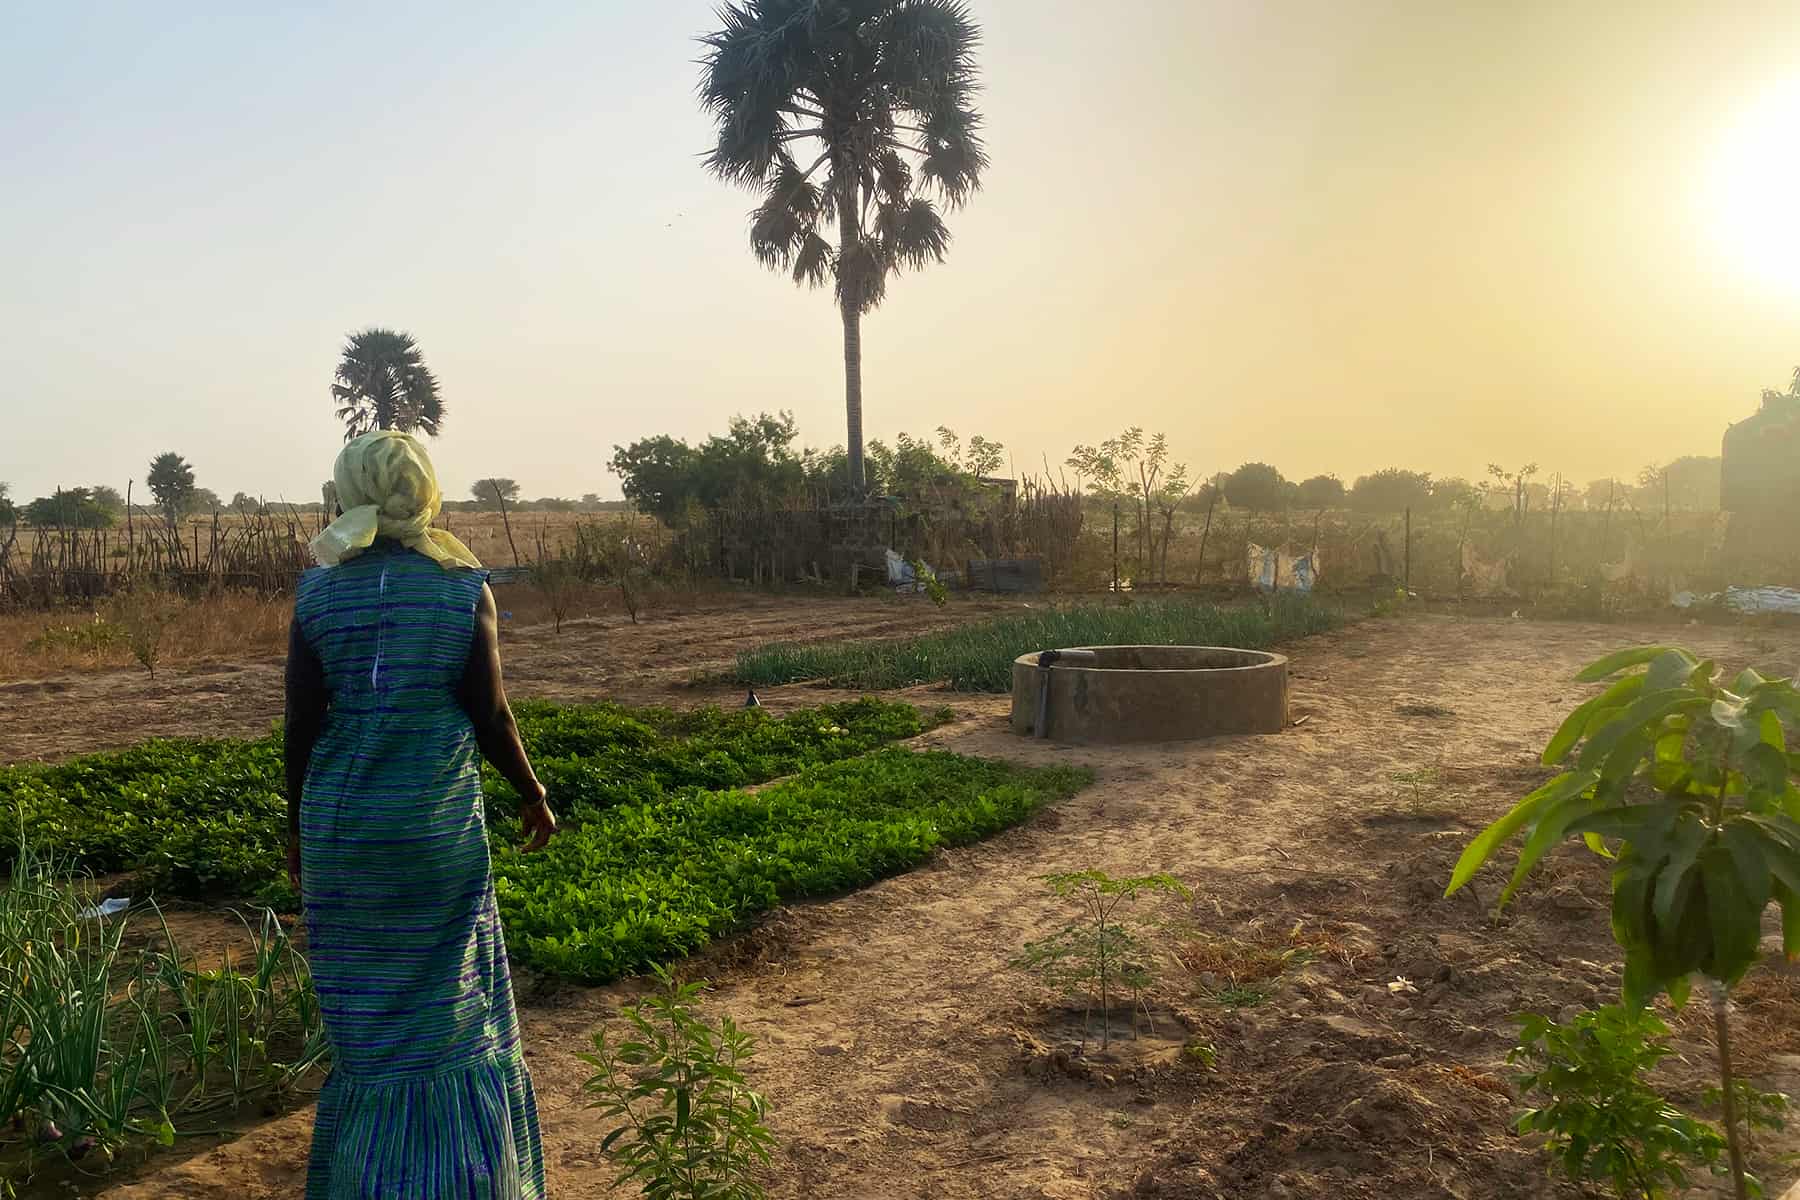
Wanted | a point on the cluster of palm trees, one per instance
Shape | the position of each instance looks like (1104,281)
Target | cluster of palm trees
(852,120)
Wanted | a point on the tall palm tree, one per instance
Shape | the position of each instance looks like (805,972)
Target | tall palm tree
(382,382)
(853,112)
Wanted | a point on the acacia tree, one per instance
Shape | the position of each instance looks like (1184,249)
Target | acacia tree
(1137,468)
(1515,486)
(382,382)
(1391,490)
(1108,470)
(107,499)
(1256,486)
(979,460)
(495,490)
(853,113)
(1321,491)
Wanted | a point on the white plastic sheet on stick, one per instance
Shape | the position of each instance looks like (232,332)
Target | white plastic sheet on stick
(1747,600)
(1270,569)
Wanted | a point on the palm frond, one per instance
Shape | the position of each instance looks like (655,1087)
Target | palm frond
(918,235)
(751,74)
(792,207)
(954,156)
(813,260)
(862,272)
(928,51)
(893,177)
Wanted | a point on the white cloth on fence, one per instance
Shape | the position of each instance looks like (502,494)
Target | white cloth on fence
(1271,568)
(1762,599)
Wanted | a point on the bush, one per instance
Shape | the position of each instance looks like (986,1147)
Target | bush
(1098,953)
(690,1126)
(1601,1121)
(145,614)
(978,657)
(92,637)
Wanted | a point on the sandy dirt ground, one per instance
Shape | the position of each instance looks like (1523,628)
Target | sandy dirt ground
(657,661)
(904,1057)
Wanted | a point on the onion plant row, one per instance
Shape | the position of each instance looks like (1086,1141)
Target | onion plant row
(978,657)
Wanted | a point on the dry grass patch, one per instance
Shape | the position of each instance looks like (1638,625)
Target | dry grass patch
(226,626)
(1241,970)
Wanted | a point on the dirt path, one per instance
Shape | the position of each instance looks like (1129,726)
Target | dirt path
(50,719)
(904,1058)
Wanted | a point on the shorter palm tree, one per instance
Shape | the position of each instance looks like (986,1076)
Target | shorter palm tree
(382,382)
(172,483)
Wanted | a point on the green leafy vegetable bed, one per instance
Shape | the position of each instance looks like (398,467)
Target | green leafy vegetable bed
(978,657)
(208,818)
(662,849)
(642,884)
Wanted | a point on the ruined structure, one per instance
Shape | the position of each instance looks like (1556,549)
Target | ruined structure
(1760,488)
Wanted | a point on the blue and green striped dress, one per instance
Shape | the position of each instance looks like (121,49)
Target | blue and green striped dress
(429,1097)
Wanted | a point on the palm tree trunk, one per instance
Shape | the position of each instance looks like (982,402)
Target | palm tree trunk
(853,440)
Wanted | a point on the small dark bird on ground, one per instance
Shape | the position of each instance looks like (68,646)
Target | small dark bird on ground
(752,701)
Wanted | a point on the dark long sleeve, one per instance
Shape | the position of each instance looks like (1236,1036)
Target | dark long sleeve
(307,699)
(483,697)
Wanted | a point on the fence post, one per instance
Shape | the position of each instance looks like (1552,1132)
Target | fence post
(507,523)
(1555,510)
(1406,579)
(1200,570)
(1115,587)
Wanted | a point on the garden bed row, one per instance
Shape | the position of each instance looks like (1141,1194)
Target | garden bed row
(207,819)
(978,657)
(661,848)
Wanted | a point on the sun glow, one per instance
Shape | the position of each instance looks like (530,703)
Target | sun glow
(1755,186)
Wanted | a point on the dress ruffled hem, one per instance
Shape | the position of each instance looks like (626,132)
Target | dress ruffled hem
(465,1134)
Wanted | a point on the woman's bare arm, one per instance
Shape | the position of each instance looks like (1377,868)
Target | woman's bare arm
(483,696)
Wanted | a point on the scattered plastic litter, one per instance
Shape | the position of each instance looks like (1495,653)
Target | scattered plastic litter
(106,908)
(1762,600)
(1747,600)
(903,577)
(1271,569)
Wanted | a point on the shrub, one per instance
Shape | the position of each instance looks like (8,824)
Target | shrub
(1601,1122)
(1688,786)
(145,614)
(1097,953)
(691,1127)
(93,637)
(558,583)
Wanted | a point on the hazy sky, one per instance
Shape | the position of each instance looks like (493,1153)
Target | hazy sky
(1335,236)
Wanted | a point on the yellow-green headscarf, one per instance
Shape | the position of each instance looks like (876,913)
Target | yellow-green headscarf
(386,487)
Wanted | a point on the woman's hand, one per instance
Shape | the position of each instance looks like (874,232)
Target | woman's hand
(294,863)
(539,823)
